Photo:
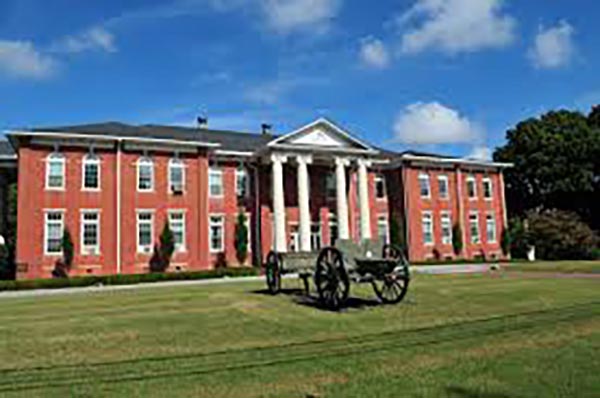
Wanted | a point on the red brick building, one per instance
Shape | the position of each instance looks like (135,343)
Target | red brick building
(114,186)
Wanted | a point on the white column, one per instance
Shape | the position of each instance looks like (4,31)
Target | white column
(363,198)
(303,201)
(280,242)
(342,198)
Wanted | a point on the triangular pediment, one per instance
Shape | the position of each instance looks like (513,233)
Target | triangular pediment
(321,134)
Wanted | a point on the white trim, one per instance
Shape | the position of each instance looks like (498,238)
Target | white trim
(443,177)
(216,170)
(473,179)
(321,120)
(380,177)
(446,215)
(146,249)
(91,159)
(224,152)
(476,214)
(483,182)
(182,248)
(102,137)
(423,176)
(434,159)
(382,219)
(58,158)
(221,216)
(89,250)
(180,164)
(491,214)
(145,161)
(62,228)
(429,214)
(247,183)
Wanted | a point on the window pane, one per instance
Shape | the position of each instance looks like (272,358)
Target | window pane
(427,228)
(55,173)
(241,183)
(215,183)
(424,186)
(443,187)
(90,178)
(176,177)
(474,228)
(145,176)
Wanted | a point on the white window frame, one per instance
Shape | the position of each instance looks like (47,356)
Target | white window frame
(220,223)
(428,215)
(316,237)
(446,221)
(474,238)
(491,216)
(215,171)
(141,162)
(473,180)
(383,221)
(90,159)
(56,157)
(424,177)
(443,178)
(89,250)
(332,222)
(487,181)
(46,228)
(182,246)
(176,163)
(249,230)
(380,178)
(331,191)
(238,173)
(144,249)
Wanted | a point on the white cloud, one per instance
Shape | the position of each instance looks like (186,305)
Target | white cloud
(374,54)
(480,153)
(95,38)
(433,123)
(20,59)
(553,47)
(274,91)
(286,16)
(455,26)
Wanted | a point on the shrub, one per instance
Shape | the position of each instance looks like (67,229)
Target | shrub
(561,235)
(457,243)
(67,248)
(162,253)
(241,238)
(505,241)
(519,238)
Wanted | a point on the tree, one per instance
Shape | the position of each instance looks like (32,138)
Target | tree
(519,238)
(560,235)
(396,236)
(7,264)
(162,253)
(457,242)
(556,164)
(241,238)
(67,249)
(505,241)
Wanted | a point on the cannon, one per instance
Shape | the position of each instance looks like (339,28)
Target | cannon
(334,268)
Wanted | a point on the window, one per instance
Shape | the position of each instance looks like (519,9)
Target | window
(380,188)
(443,187)
(383,229)
(177,227)
(91,172)
(55,171)
(145,175)
(215,182)
(145,231)
(424,187)
(294,238)
(333,229)
(53,232)
(471,187)
(217,234)
(315,236)
(176,176)
(490,228)
(427,225)
(487,188)
(248,229)
(90,232)
(330,185)
(241,183)
(474,227)
(446,223)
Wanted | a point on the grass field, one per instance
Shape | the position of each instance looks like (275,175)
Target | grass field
(456,336)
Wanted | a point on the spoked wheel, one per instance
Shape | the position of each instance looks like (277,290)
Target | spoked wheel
(331,279)
(390,290)
(273,273)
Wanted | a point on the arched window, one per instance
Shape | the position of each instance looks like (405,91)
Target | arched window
(91,172)
(55,171)
(176,176)
(145,174)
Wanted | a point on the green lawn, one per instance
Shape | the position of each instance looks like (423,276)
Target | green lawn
(570,267)
(455,336)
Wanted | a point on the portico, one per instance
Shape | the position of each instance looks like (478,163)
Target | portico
(322,144)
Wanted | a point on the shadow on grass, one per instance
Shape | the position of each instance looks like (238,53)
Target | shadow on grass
(300,297)
(457,391)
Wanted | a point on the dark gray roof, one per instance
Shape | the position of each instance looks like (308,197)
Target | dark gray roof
(6,149)
(229,140)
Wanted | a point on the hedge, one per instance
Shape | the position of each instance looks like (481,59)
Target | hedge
(123,279)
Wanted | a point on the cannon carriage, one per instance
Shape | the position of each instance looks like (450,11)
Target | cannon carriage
(333,269)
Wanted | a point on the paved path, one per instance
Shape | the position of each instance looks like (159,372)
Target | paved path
(421,269)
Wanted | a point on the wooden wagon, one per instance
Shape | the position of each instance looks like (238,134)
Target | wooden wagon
(334,268)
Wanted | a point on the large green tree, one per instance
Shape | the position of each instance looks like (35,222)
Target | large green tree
(556,164)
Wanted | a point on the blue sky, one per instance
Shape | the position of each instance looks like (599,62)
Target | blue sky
(443,75)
